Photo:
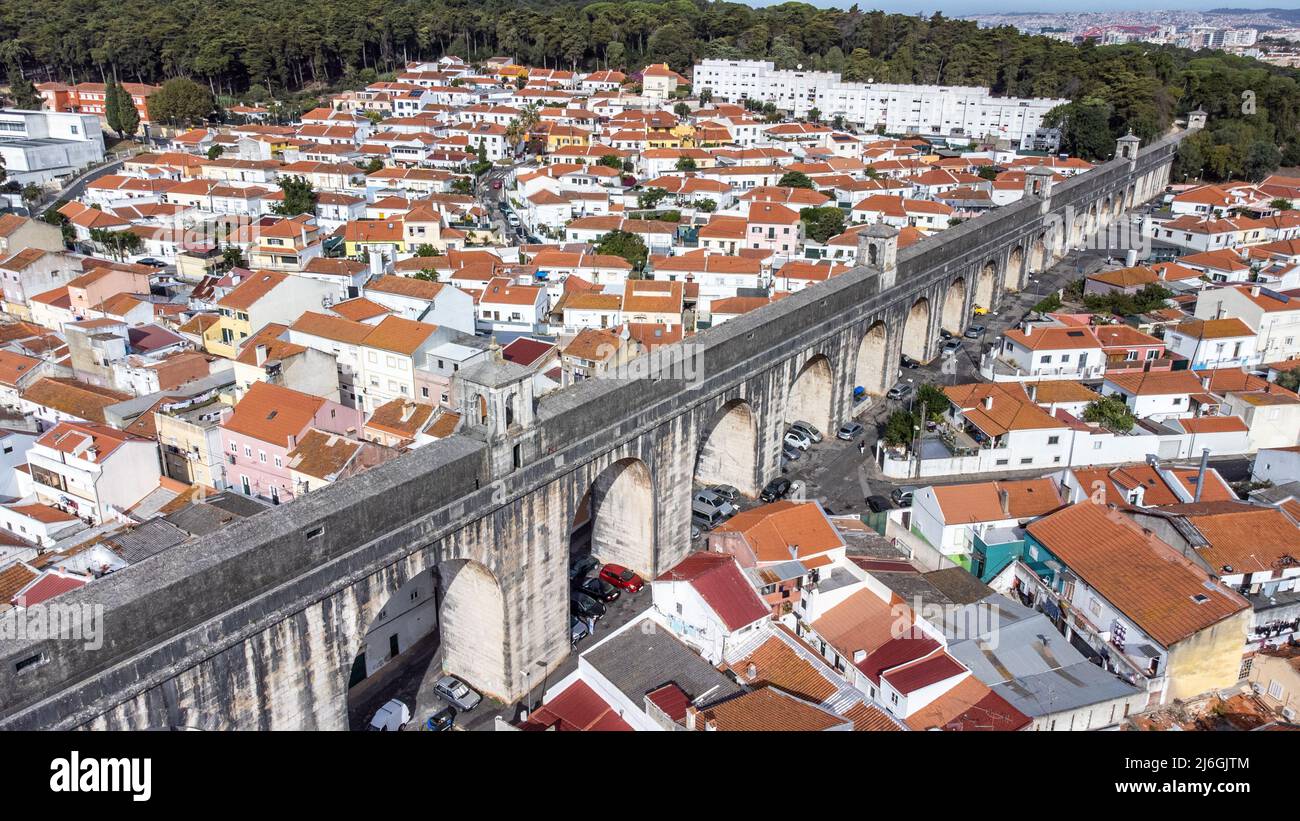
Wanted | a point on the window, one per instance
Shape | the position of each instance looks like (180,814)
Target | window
(261,456)
(1053,440)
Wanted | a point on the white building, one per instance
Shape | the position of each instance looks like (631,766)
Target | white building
(40,146)
(970,111)
(92,470)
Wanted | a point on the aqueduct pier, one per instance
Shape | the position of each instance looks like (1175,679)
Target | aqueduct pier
(257,626)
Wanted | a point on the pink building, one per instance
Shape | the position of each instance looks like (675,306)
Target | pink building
(268,422)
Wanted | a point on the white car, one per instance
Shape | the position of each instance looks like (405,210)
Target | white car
(797,440)
(392,716)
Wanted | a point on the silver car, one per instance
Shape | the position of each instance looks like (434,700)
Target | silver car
(808,430)
(458,693)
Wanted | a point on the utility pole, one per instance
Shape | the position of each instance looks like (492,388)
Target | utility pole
(916,440)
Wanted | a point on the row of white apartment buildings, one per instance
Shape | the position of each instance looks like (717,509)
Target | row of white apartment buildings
(948,111)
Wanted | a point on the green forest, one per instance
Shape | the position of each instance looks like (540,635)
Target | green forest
(258,49)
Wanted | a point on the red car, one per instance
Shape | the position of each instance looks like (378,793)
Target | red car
(621,577)
(496,185)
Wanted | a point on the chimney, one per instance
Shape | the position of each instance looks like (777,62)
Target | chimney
(691,712)
(988,402)
(1254,290)
(1004,499)
(859,656)
(261,354)
(1200,476)
(1029,329)
(1033,391)
(751,671)
(408,408)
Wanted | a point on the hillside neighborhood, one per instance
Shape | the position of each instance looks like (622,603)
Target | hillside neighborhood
(1076,508)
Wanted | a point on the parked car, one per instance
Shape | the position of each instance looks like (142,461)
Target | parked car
(808,430)
(513,219)
(696,531)
(908,362)
(706,521)
(974,332)
(496,185)
(441,721)
(944,333)
(584,606)
(902,496)
(849,431)
(151,262)
(951,347)
(727,492)
(706,501)
(900,391)
(979,310)
(392,716)
(775,489)
(582,567)
(461,695)
(879,503)
(791,453)
(599,589)
(621,577)
(577,630)
(795,439)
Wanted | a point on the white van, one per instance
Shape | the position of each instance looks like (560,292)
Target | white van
(392,716)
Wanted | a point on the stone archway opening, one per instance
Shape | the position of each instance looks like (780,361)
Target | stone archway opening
(985,285)
(728,450)
(1016,271)
(445,619)
(916,331)
(953,319)
(810,395)
(1037,254)
(871,371)
(622,516)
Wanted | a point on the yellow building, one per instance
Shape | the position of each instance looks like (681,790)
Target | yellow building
(190,436)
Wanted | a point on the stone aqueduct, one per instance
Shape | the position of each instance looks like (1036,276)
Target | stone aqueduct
(257,625)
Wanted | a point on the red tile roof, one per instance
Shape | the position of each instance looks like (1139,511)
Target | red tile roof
(719,581)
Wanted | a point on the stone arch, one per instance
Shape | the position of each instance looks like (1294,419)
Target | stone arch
(1090,222)
(1037,254)
(954,307)
(871,369)
(916,331)
(452,613)
(811,394)
(622,501)
(1116,206)
(472,625)
(1015,275)
(728,450)
(986,285)
(1056,238)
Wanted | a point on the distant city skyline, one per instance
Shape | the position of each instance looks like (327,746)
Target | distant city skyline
(955,8)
